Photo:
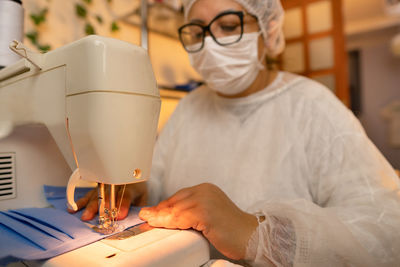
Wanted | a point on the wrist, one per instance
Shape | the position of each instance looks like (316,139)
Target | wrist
(253,240)
(251,224)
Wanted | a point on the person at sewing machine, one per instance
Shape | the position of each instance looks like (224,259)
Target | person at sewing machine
(268,165)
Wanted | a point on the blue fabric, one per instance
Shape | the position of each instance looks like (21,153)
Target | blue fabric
(41,233)
(56,196)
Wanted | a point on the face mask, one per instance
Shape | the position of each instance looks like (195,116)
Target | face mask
(230,69)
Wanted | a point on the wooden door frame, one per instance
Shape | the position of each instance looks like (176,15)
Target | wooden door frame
(340,56)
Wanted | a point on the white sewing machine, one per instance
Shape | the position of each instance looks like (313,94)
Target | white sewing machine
(90,107)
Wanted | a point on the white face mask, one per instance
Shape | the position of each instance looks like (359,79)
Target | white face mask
(230,69)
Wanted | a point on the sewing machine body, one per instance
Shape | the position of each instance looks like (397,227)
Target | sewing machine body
(157,247)
(92,103)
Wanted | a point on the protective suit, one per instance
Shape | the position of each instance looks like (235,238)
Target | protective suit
(294,155)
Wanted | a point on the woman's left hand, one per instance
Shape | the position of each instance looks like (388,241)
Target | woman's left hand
(208,209)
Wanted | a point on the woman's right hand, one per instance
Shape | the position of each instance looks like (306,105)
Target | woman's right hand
(135,194)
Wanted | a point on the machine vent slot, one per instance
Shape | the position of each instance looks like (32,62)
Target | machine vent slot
(7,176)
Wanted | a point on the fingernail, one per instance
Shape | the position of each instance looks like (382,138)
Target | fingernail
(144,213)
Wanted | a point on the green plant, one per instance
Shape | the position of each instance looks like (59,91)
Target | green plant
(39,17)
(82,11)
(33,35)
(114,26)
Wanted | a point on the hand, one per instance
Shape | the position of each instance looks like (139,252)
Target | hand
(135,194)
(208,209)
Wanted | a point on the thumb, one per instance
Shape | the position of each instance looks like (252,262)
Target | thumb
(147,213)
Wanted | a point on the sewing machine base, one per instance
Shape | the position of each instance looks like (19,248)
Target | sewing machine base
(156,247)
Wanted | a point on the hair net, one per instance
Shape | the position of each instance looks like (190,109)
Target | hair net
(270,19)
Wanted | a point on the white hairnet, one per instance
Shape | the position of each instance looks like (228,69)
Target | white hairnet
(270,19)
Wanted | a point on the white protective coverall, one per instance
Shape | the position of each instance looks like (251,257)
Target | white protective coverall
(294,153)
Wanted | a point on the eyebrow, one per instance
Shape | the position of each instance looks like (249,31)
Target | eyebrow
(200,21)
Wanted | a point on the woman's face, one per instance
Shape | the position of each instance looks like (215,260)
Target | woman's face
(204,11)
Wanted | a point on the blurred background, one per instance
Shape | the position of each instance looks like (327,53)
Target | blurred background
(351,46)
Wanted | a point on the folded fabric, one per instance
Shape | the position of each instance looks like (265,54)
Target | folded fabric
(56,196)
(40,233)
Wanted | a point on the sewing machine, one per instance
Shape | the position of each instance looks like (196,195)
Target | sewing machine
(90,108)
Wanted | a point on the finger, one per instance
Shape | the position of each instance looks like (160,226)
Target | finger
(185,204)
(181,200)
(141,200)
(157,218)
(124,200)
(139,193)
(82,202)
(124,205)
(181,217)
(146,212)
(162,218)
(169,219)
(91,210)
(178,196)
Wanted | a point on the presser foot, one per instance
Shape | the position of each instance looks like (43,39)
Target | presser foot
(107,223)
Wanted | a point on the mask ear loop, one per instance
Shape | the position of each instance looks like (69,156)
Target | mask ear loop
(260,64)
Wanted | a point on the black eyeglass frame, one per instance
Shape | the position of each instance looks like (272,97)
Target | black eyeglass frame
(206,28)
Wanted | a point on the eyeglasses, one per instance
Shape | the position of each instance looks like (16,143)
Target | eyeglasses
(225,24)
